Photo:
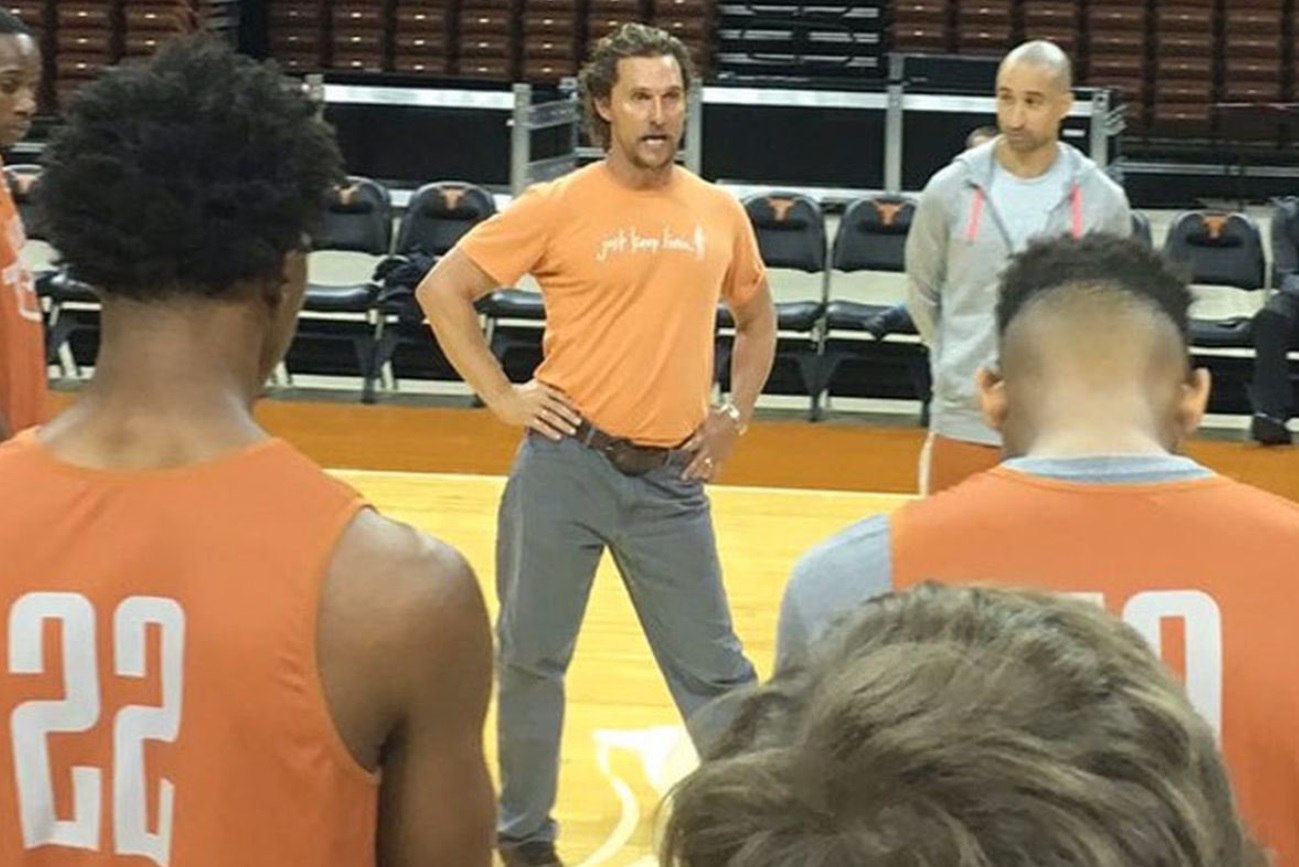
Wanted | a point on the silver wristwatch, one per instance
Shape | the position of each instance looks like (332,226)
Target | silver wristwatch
(733,412)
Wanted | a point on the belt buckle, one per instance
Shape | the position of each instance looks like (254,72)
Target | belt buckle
(630,459)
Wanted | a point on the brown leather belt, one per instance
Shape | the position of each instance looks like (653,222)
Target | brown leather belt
(626,456)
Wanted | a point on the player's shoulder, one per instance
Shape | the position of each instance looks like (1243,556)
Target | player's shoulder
(1270,512)
(400,572)
(17,448)
(286,475)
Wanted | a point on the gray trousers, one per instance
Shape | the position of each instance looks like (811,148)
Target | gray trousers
(563,505)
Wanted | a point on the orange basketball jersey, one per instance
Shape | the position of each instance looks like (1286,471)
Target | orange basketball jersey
(23,374)
(160,700)
(1206,570)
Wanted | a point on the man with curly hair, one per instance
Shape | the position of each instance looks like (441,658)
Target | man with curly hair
(633,254)
(209,639)
(23,373)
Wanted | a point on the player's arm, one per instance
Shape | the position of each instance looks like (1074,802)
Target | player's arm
(926,263)
(406,658)
(5,430)
(447,295)
(436,804)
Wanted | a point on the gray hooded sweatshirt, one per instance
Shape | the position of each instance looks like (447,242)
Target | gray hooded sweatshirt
(956,250)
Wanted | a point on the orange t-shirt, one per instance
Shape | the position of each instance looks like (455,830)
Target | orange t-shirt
(160,701)
(631,281)
(23,374)
(1207,570)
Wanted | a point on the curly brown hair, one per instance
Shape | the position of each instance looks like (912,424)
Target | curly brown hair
(597,78)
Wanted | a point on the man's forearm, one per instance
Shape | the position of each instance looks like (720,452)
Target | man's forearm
(926,257)
(455,323)
(923,313)
(751,359)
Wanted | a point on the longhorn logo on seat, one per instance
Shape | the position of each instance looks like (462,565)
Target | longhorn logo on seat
(23,184)
(347,194)
(888,211)
(1214,224)
(452,195)
(780,208)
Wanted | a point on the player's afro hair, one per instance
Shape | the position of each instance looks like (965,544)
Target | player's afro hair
(186,174)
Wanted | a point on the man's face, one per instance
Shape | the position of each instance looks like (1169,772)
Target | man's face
(646,111)
(1031,104)
(20,78)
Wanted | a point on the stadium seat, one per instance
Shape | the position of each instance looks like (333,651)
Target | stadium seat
(356,235)
(437,216)
(790,229)
(872,236)
(1221,250)
(1141,228)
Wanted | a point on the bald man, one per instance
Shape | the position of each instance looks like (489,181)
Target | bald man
(1094,393)
(971,217)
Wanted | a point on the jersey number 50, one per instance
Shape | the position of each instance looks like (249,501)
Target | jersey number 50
(79,711)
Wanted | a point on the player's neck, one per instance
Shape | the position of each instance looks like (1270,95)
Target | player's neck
(1090,417)
(1084,433)
(1094,443)
(168,392)
(635,177)
(1033,164)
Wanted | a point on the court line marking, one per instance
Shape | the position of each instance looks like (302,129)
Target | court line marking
(765,489)
(666,755)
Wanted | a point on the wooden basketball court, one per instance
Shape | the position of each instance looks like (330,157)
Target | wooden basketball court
(790,485)
(623,742)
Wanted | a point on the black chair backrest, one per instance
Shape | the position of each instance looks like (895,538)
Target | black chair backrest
(23,180)
(439,214)
(358,219)
(1224,249)
(872,234)
(790,228)
(1141,229)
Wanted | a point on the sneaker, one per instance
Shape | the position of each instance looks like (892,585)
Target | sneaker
(538,853)
(1269,431)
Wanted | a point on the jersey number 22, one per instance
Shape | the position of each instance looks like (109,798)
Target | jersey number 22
(79,711)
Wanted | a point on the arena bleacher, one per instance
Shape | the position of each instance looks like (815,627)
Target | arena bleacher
(1190,103)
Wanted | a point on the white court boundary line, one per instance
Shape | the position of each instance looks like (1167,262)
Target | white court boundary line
(657,747)
(762,489)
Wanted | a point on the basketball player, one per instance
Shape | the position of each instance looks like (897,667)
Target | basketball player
(965,726)
(216,654)
(23,374)
(633,254)
(1094,393)
(970,218)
